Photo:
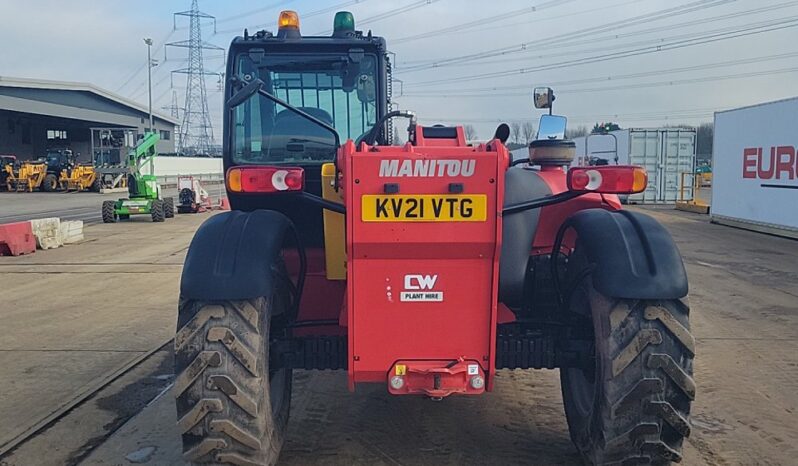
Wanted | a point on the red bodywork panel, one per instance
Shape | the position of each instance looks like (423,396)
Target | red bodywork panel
(451,266)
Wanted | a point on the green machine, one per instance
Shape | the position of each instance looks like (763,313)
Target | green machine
(144,193)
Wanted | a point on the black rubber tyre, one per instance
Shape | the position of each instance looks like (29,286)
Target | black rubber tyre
(50,183)
(157,211)
(169,207)
(108,212)
(634,406)
(97,185)
(231,407)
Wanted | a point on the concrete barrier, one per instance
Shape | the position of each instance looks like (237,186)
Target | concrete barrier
(71,231)
(17,239)
(47,232)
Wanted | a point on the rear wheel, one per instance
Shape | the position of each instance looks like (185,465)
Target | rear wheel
(169,207)
(633,406)
(157,211)
(97,186)
(108,212)
(50,183)
(233,394)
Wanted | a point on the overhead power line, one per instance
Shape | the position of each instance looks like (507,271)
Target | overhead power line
(482,21)
(143,66)
(710,38)
(386,14)
(605,39)
(249,13)
(667,13)
(465,92)
(302,17)
(624,86)
(508,25)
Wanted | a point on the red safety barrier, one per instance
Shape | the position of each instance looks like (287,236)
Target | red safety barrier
(17,239)
(224,204)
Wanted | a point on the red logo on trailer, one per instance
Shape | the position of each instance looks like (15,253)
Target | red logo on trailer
(781,165)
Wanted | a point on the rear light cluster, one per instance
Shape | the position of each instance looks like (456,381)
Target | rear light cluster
(608,180)
(264,179)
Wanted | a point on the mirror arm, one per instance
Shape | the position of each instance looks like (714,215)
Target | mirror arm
(371,136)
(543,202)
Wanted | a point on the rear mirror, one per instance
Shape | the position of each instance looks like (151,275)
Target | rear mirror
(552,127)
(244,93)
(544,97)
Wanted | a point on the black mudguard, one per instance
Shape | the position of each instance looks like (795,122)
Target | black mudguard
(634,256)
(231,256)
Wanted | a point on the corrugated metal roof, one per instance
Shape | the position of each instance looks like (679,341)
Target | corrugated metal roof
(71,87)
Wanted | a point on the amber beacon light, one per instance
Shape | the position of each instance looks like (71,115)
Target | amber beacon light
(288,19)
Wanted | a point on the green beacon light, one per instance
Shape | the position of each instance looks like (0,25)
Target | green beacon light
(343,24)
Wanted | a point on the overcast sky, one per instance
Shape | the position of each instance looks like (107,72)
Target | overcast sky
(714,54)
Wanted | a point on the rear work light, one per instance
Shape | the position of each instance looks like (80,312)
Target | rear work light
(623,179)
(264,179)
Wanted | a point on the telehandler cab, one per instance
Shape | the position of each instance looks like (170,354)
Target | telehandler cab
(427,267)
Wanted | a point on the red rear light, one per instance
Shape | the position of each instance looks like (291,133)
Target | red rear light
(608,179)
(265,179)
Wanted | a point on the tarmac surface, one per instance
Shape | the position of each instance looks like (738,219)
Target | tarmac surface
(75,318)
(86,206)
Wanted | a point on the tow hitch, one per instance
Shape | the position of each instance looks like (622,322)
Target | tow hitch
(436,379)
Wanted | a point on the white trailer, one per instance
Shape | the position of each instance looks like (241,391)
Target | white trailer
(665,153)
(755,168)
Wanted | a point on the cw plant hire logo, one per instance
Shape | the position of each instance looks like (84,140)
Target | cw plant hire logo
(420,288)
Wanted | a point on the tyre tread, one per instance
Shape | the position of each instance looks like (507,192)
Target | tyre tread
(663,395)
(220,383)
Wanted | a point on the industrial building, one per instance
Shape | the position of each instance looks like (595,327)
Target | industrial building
(37,115)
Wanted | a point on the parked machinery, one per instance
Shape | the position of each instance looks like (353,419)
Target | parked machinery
(7,163)
(425,267)
(79,177)
(192,197)
(58,160)
(26,176)
(144,191)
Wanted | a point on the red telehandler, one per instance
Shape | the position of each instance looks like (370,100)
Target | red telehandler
(427,266)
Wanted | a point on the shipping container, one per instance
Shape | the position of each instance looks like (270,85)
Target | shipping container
(755,168)
(665,153)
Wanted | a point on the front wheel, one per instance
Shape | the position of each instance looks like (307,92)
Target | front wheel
(232,398)
(633,406)
(50,183)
